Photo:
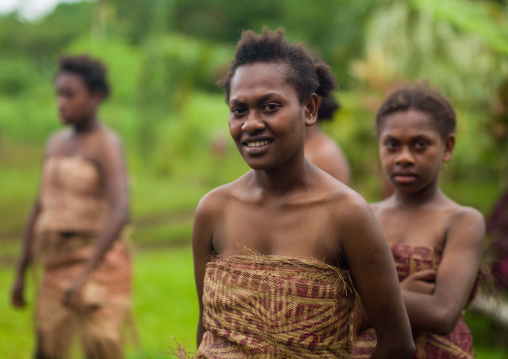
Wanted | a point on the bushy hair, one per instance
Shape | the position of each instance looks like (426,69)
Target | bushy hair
(92,71)
(327,107)
(272,47)
(419,97)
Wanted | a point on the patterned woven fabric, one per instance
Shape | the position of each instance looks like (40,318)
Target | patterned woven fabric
(106,297)
(458,344)
(260,306)
(71,196)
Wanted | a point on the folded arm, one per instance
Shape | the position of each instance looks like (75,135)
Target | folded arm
(440,311)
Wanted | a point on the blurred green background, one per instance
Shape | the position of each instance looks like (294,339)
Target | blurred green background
(164,57)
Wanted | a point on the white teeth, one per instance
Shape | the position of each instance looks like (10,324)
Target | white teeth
(257,143)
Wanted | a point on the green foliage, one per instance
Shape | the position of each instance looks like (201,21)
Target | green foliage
(41,41)
(16,76)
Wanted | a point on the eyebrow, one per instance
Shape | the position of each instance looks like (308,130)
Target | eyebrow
(236,102)
(415,138)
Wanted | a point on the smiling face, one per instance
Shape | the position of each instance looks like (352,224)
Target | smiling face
(266,119)
(412,150)
(76,103)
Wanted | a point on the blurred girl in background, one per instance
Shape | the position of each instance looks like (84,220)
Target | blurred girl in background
(78,224)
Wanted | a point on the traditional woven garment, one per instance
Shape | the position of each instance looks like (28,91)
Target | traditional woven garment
(72,196)
(66,234)
(260,306)
(458,344)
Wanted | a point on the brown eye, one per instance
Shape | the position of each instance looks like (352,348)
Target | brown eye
(238,111)
(271,107)
(390,144)
(421,145)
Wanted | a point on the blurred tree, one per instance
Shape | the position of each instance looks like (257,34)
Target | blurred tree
(41,41)
(138,20)
(459,46)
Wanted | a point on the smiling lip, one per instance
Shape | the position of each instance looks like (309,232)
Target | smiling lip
(256,145)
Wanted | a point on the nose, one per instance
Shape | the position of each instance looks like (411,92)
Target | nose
(253,123)
(405,156)
(61,102)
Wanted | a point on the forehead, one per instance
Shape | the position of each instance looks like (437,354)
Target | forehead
(258,79)
(67,78)
(411,122)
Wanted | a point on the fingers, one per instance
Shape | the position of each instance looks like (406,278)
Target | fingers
(17,298)
(425,287)
(427,275)
(71,299)
(18,302)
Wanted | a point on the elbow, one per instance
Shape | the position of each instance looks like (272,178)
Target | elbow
(406,350)
(445,321)
(402,348)
(445,325)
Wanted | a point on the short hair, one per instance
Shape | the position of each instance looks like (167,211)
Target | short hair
(272,47)
(419,97)
(92,71)
(327,107)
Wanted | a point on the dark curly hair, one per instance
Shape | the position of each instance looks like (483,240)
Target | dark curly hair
(420,97)
(272,47)
(327,107)
(92,71)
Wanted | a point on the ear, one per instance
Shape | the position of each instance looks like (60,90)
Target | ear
(449,145)
(311,109)
(97,97)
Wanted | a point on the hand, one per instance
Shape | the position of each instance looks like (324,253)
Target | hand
(72,297)
(17,294)
(420,282)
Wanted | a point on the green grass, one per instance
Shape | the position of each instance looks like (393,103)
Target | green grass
(165,306)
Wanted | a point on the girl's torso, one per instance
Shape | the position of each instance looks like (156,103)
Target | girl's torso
(72,194)
(425,226)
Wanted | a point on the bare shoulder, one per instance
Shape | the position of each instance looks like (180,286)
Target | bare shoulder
(56,140)
(330,148)
(210,213)
(378,207)
(215,202)
(468,216)
(106,136)
(349,207)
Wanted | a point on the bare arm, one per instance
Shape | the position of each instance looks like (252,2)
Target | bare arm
(17,298)
(439,312)
(17,295)
(370,262)
(112,166)
(202,248)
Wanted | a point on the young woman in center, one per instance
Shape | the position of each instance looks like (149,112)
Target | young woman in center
(437,244)
(280,253)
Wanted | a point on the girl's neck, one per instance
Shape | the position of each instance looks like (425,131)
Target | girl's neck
(419,198)
(284,179)
(87,125)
